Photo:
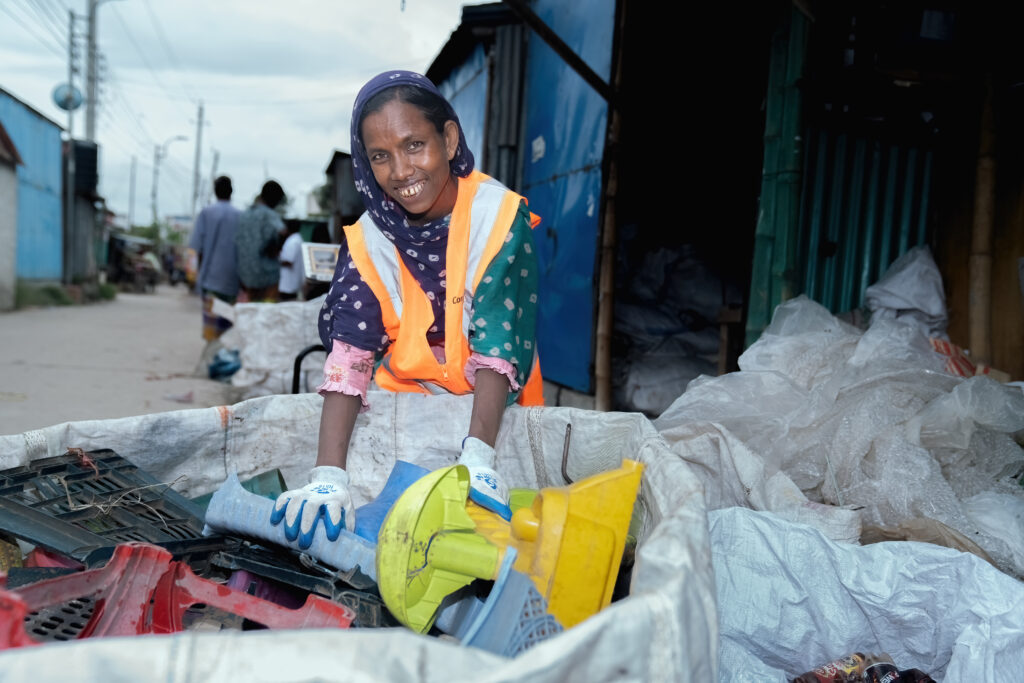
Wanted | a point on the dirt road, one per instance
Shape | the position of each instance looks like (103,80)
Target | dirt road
(131,356)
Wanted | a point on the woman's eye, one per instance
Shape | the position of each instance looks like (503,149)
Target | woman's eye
(415,145)
(377,157)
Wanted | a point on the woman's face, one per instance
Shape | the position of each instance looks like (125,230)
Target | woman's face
(410,159)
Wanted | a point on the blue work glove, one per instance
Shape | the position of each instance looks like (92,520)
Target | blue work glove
(326,496)
(486,487)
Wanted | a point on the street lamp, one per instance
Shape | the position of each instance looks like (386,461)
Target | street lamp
(159,152)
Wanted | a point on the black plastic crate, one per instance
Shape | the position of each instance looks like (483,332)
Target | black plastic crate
(77,503)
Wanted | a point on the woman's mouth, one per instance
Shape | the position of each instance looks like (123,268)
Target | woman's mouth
(410,191)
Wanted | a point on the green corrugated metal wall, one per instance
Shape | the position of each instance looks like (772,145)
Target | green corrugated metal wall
(835,209)
(774,272)
(865,204)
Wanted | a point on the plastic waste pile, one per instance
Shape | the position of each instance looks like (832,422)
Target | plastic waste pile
(96,547)
(861,433)
(660,624)
(421,553)
(423,543)
(858,437)
(863,668)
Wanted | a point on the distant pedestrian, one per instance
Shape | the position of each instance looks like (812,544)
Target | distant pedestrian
(260,231)
(290,283)
(213,240)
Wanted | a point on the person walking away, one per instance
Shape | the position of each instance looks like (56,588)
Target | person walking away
(290,282)
(437,237)
(213,240)
(258,242)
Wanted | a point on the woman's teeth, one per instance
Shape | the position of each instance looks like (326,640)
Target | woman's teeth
(410,191)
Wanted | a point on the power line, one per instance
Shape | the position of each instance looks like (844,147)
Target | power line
(123,102)
(55,27)
(49,45)
(249,103)
(141,53)
(59,14)
(42,20)
(158,27)
(114,118)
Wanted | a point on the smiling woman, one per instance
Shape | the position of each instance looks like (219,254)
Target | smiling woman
(410,155)
(436,292)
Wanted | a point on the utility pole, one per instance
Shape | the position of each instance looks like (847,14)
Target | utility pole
(131,196)
(69,181)
(90,75)
(213,175)
(156,174)
(195,168)
(71,72)
(159,152)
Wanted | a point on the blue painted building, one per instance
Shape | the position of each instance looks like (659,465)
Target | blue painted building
(39,250)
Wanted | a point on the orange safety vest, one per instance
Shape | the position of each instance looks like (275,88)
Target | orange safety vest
(483,214)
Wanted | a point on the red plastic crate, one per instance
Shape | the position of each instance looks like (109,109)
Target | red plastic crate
(143,590)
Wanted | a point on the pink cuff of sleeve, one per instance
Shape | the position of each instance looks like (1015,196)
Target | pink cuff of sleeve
(348,370)
(499,365)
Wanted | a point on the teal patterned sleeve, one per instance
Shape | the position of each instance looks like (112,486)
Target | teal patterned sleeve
(504,319)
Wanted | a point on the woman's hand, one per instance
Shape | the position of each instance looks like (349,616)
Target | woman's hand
(326,498)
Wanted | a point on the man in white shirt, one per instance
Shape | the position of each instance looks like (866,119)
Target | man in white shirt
(290,282)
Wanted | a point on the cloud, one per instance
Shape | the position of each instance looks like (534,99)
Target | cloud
(277,81)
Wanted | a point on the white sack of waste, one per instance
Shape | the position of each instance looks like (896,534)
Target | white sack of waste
(268,338)
(665,630)
(864,421)
(911,289)
(790,600)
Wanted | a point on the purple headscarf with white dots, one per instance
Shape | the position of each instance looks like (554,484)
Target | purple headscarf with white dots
(387,213)
(351,312)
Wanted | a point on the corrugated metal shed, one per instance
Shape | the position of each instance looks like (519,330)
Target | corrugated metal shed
(536,125)
(40,233)
(480,71)
(865,205)
(466,88)
(9,160)
(566,125)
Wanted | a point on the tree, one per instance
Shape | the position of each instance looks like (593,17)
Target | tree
(324,196)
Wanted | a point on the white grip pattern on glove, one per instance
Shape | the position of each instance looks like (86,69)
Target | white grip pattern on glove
(487,487)
(326,496)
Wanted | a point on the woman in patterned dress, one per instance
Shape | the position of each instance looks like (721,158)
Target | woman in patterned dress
(437,293)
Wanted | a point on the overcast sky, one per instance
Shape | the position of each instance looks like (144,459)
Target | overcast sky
(277,80)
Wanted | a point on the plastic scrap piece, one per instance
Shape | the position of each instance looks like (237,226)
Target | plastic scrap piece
(428,548)
(514,618)
(571,539)
(142,590)
(180,589)
(234,510)
(369,517)
(577,531)
(570,543)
